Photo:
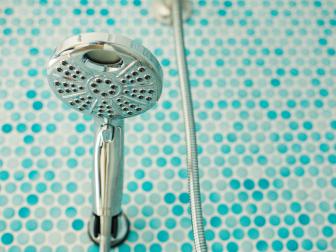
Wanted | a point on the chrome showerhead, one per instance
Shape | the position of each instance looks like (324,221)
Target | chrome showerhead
(112,78)
(105,75)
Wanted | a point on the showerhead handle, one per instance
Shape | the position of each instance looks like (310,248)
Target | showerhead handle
(108,183)
(108,168)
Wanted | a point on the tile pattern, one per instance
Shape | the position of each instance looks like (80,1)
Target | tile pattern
(263,80)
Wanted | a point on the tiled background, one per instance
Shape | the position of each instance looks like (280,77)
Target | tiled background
(263,79)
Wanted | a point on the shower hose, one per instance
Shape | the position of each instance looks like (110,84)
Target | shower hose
(190,132)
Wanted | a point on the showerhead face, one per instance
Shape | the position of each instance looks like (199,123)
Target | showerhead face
(108,76)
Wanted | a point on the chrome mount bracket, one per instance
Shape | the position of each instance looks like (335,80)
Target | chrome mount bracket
(162,10)
(119,229)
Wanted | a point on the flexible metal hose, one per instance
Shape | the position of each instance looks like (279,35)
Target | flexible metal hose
(190,132)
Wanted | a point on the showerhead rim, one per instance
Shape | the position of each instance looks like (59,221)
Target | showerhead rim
(93,39)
